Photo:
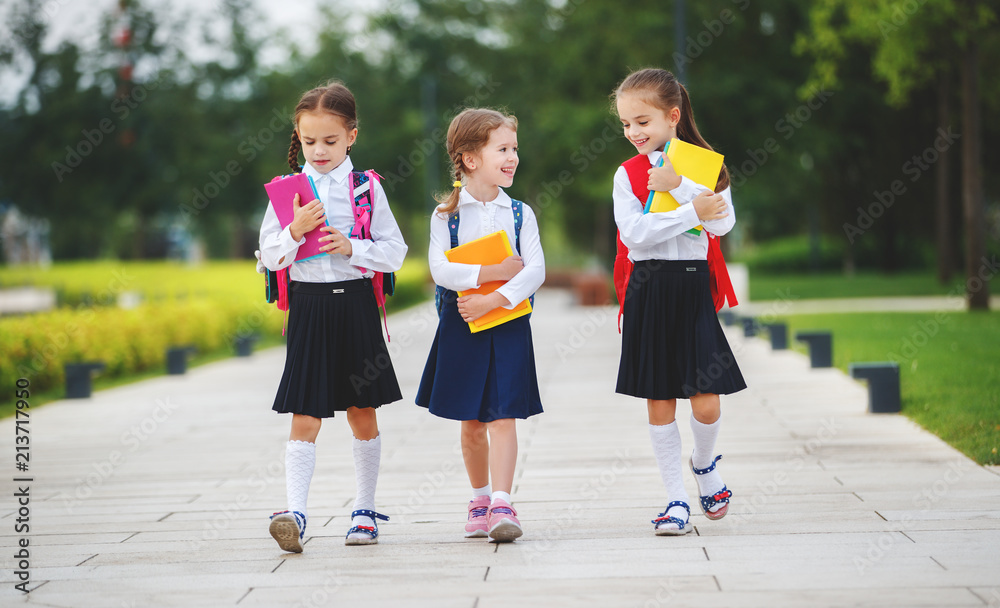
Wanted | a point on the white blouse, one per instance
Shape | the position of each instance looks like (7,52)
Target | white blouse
(477,219)
(383,254)
(661,236)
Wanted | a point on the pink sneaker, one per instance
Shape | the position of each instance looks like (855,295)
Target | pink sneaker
(476,526)
(503,523)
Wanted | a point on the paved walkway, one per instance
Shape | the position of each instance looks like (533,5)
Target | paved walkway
(157,494)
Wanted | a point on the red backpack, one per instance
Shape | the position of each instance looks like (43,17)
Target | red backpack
(637,169)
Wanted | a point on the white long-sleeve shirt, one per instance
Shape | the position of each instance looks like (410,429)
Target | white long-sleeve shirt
(661,236)
(384,253)
(477,219)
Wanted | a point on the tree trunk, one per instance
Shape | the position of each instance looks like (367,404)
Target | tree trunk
(977,287)
(943,225)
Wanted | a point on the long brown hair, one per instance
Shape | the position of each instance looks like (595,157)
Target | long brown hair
(468,133)
(334,98)
(662,90)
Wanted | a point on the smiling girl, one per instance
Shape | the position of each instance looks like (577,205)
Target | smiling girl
(333,323)
(485,379)
(673,346)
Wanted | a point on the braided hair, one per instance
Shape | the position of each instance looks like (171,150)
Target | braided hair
(334,98)
(468,133)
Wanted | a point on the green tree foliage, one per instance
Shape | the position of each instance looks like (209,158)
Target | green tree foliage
(190,142)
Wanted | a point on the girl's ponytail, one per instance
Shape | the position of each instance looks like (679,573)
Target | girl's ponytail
(661,89)
(293,153)
(687,131)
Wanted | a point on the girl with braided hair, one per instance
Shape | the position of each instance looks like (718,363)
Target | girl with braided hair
(334,331)
(485,379)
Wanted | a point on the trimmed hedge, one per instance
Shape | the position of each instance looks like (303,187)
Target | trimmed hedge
(207,307)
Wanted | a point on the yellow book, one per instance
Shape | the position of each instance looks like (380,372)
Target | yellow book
(490,249)
(693,162)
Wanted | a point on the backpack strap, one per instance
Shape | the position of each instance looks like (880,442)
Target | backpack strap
(518,208)
(360,185)
(440,293)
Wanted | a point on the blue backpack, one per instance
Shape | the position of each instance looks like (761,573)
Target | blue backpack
(440,293)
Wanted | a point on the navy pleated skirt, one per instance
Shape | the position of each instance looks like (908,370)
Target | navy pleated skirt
(672,343)
(484,376)
(337,357)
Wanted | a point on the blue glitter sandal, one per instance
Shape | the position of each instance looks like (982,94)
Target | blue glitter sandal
(683,526)
(710,500)
(370,534)
(288,528)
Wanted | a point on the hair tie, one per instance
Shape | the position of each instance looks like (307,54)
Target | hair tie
(457,184)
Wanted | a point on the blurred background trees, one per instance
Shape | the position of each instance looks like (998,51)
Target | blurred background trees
(829,112)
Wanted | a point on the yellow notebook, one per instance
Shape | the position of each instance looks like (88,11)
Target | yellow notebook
(693,162)
(490,249)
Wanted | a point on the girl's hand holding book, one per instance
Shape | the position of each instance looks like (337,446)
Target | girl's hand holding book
(664,178)
(307,217)
(504,271)
(710,206)
(336,242)
(473,306)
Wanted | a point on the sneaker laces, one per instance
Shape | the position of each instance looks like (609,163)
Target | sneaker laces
(479,512)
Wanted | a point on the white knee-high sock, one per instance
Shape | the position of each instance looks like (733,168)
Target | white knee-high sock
(300,460)
(367,457)
(703,454)
(666,441)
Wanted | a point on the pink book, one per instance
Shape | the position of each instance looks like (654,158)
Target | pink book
(282,190)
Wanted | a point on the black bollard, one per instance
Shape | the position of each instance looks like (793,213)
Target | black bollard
(883,385)
(78,378)
(820,347)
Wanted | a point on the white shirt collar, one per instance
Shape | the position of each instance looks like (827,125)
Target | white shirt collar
(338,174)
(655,156)
(502,200)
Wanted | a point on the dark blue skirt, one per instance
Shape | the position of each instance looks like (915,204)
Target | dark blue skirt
(672,343)
(336,357)
(484,376)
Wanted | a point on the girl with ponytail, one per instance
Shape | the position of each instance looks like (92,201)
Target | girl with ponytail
(673,346)
(334,331)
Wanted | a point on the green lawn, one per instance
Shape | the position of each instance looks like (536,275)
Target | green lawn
(949,368)
(837,285)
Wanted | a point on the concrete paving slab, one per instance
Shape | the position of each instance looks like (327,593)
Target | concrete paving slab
(157,494)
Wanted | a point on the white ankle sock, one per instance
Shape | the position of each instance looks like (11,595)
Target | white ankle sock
(483,491)
(666,441)
(505,496)
(300,460)
(702,456)
(367,457)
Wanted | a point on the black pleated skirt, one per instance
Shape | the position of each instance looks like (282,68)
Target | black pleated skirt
(337,357)
(484,376)
(672,343)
